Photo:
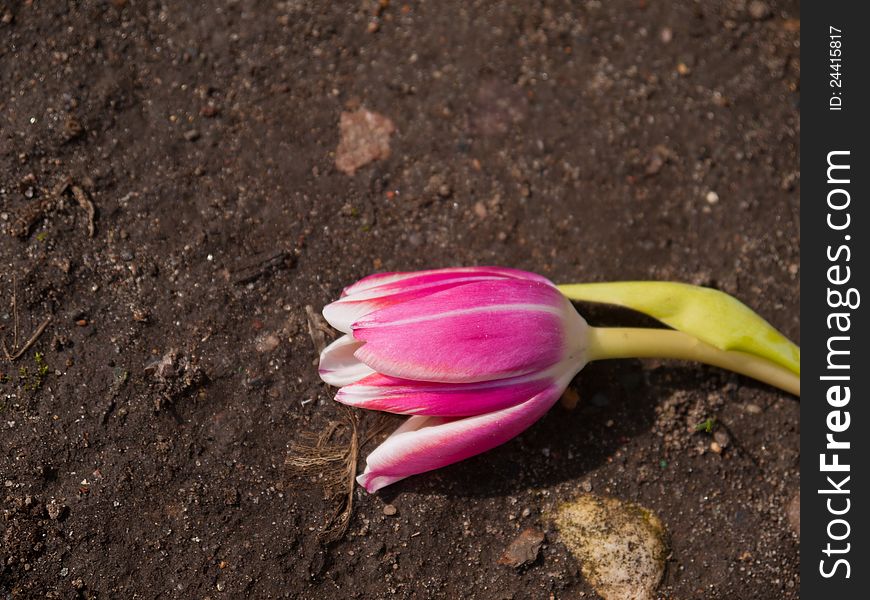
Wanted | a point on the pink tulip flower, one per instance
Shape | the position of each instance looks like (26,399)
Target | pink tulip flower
(474,355)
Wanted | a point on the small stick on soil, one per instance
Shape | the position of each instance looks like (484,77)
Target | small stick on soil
(33,213)
(263,265)
(84,202)
(30,216)
(17,354)
(61,186)
(15,310)
(27,345)
(318,329)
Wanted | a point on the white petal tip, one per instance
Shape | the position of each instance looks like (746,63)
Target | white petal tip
(330,377)
(339,366)
(372,483)
(346,376)
(362,479)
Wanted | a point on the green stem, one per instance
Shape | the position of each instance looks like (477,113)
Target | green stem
(623,342)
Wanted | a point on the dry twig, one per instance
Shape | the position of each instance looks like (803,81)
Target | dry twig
(318,328)
(18,352)
(12,356)
(33,213)
(84,202)
(261,265)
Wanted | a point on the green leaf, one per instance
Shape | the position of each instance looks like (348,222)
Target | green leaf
(707,314)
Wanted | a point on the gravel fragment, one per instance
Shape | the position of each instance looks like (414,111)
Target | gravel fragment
(56,511)
(267,342)
(758,10)
(365,137)
(620,545)
(523,549)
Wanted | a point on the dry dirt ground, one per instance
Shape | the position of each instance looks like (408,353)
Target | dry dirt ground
(144,435)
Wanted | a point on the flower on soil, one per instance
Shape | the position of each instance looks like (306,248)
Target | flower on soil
(474,355)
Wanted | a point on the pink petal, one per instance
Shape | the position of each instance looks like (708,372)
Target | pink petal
(407,397)
(339,366)
(343,313)
(475,332)
(380,279)
(353,306)
(424,443)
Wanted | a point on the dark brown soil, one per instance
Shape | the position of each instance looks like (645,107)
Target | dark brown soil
(142,454)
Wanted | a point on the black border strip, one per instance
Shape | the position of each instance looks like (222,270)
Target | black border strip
(835,224)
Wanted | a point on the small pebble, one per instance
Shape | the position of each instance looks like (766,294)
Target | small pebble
(524,549)
(712,197)
(715,447)
(191,135)
(437,184)
(758,10)
(586,485)
(267,342)
(722,438)
(390,510)
(55,510)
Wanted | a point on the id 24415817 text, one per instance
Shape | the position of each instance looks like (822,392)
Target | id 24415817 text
(835,58)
